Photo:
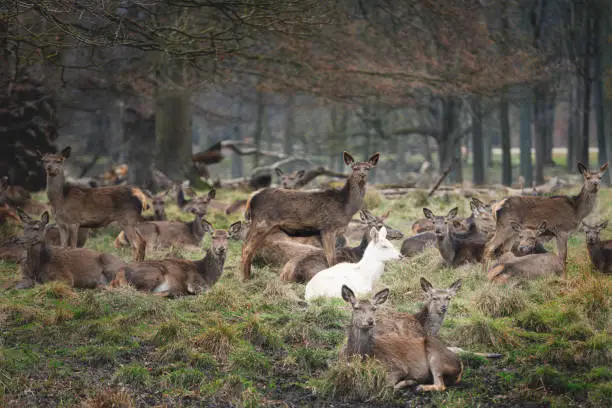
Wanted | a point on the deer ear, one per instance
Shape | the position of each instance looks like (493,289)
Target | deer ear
(381,297)
(66,152)
(428,214)
(382,233)
(542,227)
(23,216)
(373,160)
(212,193)
(348,159)
(516,226)
(147,192)
(455,286)
(453,213)
(604,224)
(473,207)
(582,168)
(425,285)
(386,215)
(234,230)
(374,234)
(348,295)
(300,173)
(207,226)
(278,172)
(604,167)
(39,154)
(44,218)
(363,215)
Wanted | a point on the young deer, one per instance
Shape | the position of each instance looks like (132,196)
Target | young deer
(158,202)
(528,239)
(288,180)
(456,249)
(176,277)
(361,275)
(562,213)
(201,202)
(326,211)
(410,361)
(79,267)
(600,252)
(76,207)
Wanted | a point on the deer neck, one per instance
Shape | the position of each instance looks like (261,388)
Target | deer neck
(360,341)
(196,228)
(37,254)
(596,255)
(430,322)
(585,202)
(446,247)
(353,193)
(55,189)
(370,265)
(210,267)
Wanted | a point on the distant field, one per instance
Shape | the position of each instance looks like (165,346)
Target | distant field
(254,344)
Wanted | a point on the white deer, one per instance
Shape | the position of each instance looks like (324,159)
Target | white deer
(359,276)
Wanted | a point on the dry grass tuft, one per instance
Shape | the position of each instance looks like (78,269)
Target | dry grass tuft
(109,399)
(218,340)
(500,300)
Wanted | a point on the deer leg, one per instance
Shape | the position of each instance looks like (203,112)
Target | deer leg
(64,234)
(255,238)
(137,241)
(438,384)
(404,384)
(562,238)
(329,246)
(73,235)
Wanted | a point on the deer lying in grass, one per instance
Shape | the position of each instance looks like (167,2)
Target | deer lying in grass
(525,267)
(176,277)
(600,252)
(326,211)
(76,207)
(19,197)
(416,244)
(79,267)
(562,213)
(288,180)
(201,202)
(456,249)
(302,268)
(361,275)
(357,229)
(409,361)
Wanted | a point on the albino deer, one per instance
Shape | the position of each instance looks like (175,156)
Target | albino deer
(76,207)
(326,211)
(600,252)
(456,249)
(79,267)
(562,213)
(288,180)
(361,275)
(410,361)
(176,277)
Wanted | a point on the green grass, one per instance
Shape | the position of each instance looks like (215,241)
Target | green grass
(256,344)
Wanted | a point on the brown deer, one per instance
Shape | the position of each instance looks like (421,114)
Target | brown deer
(525,267)
(78,267)
(410,361)
(177,277)
(600,252)
(158,202)
(76,207)
(201,201)
(357,229)
(288,180)
(528,239)
(456,249)
(303,267)
(19,197)
(327,211)
(562,213)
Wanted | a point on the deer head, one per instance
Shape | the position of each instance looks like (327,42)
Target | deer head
(379,222)
(288,180)
(592,179)
(361,169)
(33,230)
(438,299)
(159,204)
(380,247)
(528,237)
(219,242)
(364,311)
(199,205)
(54,163)
(592,232)
(236,231)
(440,222)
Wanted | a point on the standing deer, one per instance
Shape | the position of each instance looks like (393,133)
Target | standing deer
(600,252)
(79,267)
(177,277)
(76,207)
(327,211)
(562,213)
(158,202)
(456,249)
(410,361)
(288,180)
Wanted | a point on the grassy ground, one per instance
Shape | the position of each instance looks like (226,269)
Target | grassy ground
(254,344)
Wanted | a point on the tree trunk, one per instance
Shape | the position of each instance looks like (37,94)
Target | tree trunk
(140,147)
(583,155)
(540,128)
(173,133)
(477,144)
(525,140)
(289,127)
(504,124)
(550,127)
(571,125)
(598,91)
(259,125)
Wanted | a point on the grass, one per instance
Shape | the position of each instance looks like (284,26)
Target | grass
(256,344)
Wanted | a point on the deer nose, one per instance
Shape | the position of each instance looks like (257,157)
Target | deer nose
(444,308)
(370,321)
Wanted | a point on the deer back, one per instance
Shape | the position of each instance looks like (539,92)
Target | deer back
(526,267)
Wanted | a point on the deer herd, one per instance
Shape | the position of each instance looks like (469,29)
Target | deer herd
(305,234)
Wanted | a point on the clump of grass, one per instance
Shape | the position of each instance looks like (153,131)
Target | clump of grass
(97,355)
(168,332)
(218,340)
(109,399)
(186,378)
(133,374)
(279,291)
(372,199)
(55,290)
(309,359)
(500,301)
(553,381)
(174,351)
(222,297)
(89,306)
(255,332)
(532,320)
(600,395)
(247,358)
(595,351)
(592,295)
(599,374)
(480,331)
(354,380)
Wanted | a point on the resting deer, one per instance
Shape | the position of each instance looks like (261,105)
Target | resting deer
(410,361)
(562,213)
(78,267)
(326,211)
(19,197)
(600,252)
(456,249)
(361,275)
(176,277)
(525,267)
(76,207)
(288,180)
(202,201)
(357,229)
